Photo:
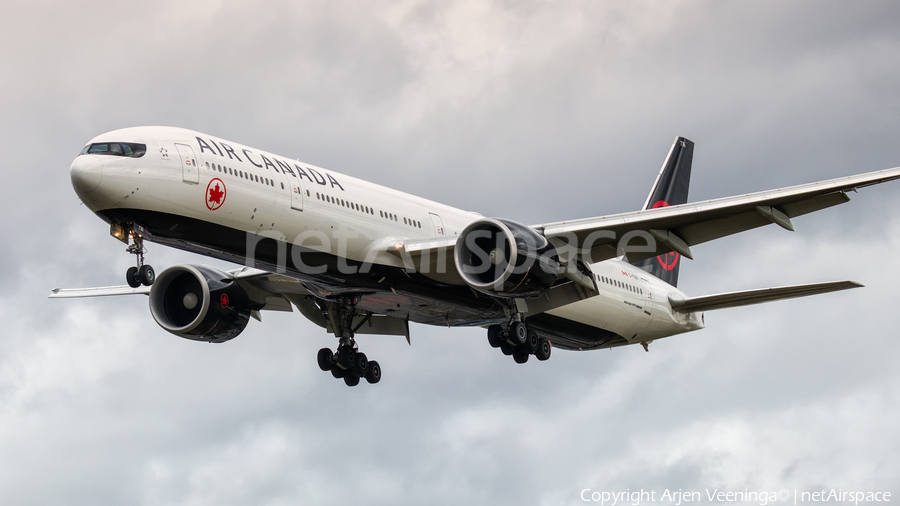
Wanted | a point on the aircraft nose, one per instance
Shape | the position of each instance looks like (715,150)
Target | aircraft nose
(86,172)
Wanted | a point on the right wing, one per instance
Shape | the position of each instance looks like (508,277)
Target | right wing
(676,228)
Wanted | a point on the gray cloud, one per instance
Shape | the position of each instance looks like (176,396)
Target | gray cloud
(528,110)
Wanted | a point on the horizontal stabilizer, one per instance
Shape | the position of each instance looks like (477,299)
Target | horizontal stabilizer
(750,297)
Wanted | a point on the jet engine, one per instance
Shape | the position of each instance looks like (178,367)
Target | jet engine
(506,259)
(199,303)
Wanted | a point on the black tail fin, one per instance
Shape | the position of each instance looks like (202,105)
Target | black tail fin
(670,189)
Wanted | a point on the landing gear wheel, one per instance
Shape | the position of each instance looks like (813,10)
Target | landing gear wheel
(346,356)
(360,365)
(518,333)
(325,358)
(520,356)
(338,373)
(506,349)
(533,341)
(495,335)
(131,276)
(373,374)
(351,380)
(146,275)
(544,348)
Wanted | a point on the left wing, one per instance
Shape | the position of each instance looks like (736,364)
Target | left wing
(103,291)
(273,291)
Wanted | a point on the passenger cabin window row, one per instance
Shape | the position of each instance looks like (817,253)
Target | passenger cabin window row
(129,149)
(242,174)
(406,221)
(344,203)
(620,284)
(364,209)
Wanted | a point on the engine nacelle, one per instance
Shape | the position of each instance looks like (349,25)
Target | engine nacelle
(506,259)
(200,303)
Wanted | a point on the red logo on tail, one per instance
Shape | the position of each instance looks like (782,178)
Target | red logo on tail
(669,260)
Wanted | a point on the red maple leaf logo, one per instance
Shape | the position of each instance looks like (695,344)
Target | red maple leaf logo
(215,194)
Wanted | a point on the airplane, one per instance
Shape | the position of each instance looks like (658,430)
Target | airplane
(356,258)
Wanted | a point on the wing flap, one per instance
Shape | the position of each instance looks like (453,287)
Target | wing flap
(750,297)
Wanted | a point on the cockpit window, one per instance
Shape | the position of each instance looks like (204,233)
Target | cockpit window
(128,149)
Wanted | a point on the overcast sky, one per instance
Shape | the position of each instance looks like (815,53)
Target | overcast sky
(528,110)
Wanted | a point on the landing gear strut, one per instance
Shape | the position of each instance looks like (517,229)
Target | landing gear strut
(141,274)
(519,341)
(347,361)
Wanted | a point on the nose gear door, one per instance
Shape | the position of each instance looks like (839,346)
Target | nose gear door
(189,168)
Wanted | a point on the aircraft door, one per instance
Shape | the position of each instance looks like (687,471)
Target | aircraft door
(189,169)
(438,224)
(647,296)
(294,191)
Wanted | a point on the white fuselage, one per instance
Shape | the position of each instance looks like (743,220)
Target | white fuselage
(203,178)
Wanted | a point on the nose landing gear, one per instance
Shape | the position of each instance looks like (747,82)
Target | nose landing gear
(141,274)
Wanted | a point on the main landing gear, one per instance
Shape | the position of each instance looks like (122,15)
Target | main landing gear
(141,274)
(347,361)
(519,341)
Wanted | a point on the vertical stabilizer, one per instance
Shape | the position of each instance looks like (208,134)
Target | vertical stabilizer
(670,189)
